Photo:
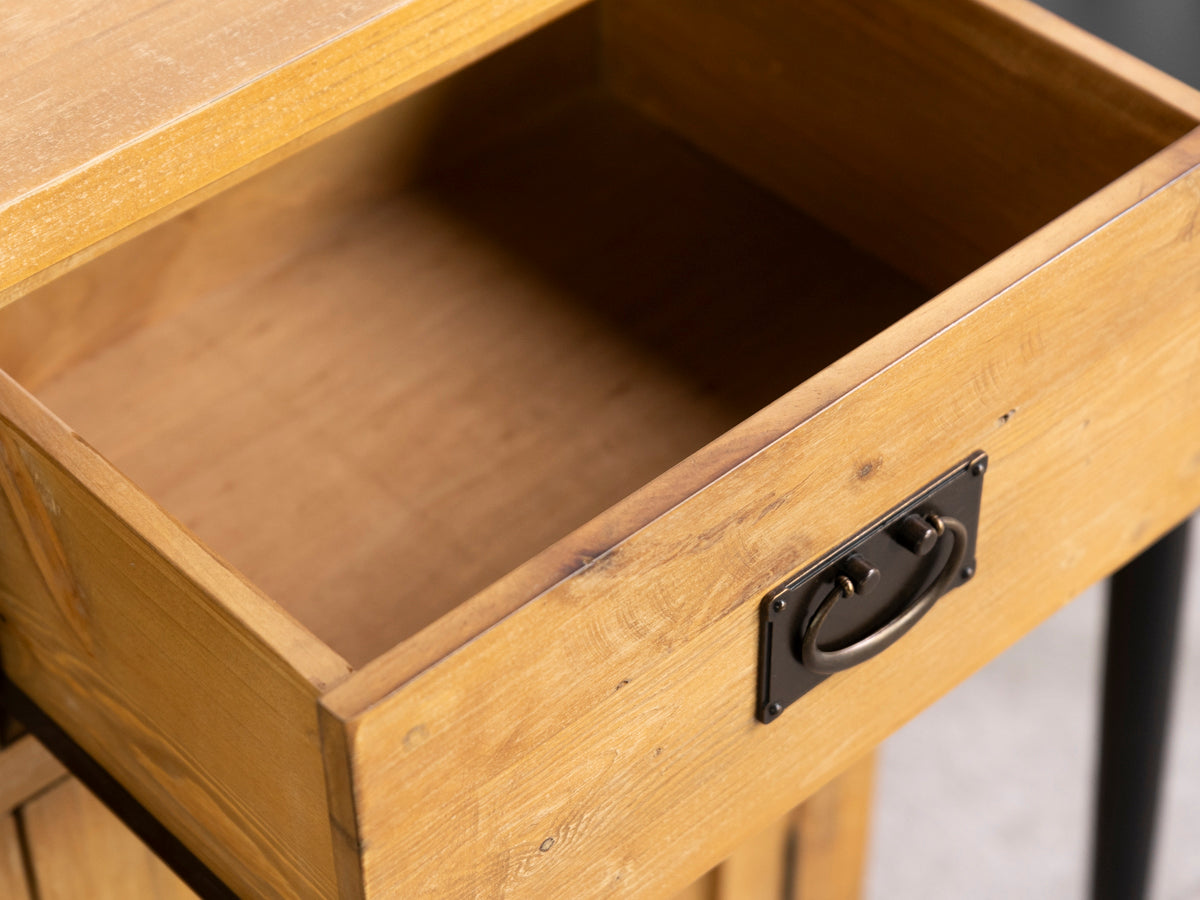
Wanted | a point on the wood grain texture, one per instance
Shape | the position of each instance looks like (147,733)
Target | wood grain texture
(534,256)
(702,888)
(636,722)
(79,849)
(1138,85)
(14,885)
(831,831)
(815,852)
(189,687)
(234,238)
(116,115)
(26,768)
(935,134)
(579,549)
(611,289)
(756,870)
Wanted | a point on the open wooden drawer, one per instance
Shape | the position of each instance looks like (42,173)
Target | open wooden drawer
(563,299)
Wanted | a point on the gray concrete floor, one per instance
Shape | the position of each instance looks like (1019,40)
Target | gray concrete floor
(988,794)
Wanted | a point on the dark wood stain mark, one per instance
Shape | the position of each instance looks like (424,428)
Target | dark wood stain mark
(868,468)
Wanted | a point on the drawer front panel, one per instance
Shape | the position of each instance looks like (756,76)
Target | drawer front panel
(110,620)
(602,739)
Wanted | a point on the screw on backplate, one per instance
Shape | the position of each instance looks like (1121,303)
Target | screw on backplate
(968,572)
(778,604)
(774,709)
(979,467)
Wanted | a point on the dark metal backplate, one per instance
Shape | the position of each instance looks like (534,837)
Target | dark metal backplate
(786,611)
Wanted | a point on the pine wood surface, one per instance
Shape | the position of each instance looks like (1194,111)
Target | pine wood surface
(26,768)
(700,889)
(14,885)
(685,407)
(1140,92)
(660,649)
(1091,435)
(756,870)
(815,852)
(831,830)
(78,849)
(971,124)
(319,427)
(187,685)
(866,362)
(193,277)
(116,115)
(257,226)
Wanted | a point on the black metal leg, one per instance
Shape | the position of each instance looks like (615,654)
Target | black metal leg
(1143,612)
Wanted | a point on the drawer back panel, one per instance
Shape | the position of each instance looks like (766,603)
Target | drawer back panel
(936,134)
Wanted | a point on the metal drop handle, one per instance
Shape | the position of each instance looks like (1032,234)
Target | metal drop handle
(826,662)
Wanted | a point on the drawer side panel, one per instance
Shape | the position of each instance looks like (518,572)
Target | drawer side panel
(195,693)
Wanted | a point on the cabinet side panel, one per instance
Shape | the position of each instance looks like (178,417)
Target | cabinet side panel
(13,882)
(77,848)
(198,695)
(601,740)
(26,768)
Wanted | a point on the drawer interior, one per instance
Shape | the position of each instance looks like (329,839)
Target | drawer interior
(391,368)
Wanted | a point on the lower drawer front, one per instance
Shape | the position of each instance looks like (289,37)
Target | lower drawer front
(603,738)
